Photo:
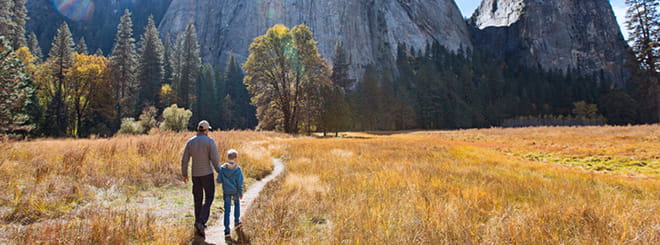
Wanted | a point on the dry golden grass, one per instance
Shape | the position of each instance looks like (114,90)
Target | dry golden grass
(460,187)
(495,186)
(118,190)
(623,149)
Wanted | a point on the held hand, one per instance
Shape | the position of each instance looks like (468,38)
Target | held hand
(185,180)
(241,197)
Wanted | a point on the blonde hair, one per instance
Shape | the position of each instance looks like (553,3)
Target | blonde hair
(232,154)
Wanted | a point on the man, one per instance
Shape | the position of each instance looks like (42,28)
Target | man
(205,157)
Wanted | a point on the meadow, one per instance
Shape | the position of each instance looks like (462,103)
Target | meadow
(468,187)
(126,189)
(575,185)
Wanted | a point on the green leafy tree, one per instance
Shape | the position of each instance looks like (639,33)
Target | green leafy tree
(582,110)
(643,21)
(88,74)
(16,91)
(150,66)
(284,75)
(124,65)
(175,118)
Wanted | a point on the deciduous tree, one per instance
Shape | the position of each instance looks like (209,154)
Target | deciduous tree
(285,74)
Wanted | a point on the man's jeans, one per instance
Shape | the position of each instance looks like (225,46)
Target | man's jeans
(237,209)
(203,190)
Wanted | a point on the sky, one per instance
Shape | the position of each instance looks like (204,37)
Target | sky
(468,6)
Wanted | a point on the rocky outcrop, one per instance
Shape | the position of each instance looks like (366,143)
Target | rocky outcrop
(369,29)
(580,35)
(96,20)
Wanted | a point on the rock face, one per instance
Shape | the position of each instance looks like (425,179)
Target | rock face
(98,25)
(580,35)
(369,29)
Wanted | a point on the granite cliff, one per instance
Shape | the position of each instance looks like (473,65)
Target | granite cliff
(96,20)
(578,35)
(369,29)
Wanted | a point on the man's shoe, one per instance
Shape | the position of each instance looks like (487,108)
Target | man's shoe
(200,229)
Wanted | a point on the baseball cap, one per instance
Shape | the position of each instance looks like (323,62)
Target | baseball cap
(204,125)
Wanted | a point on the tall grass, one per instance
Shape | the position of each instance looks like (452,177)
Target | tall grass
(94,190)
(431,189)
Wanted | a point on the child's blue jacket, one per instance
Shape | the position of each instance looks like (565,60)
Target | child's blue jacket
(231,178)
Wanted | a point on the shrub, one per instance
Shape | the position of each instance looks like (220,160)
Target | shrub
(175,118)
(130,126)
(148,118)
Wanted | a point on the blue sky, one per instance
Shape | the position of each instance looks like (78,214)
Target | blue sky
(468,6)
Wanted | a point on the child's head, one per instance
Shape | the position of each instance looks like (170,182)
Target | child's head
(232,154)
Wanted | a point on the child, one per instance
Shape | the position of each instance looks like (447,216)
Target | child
(231,178)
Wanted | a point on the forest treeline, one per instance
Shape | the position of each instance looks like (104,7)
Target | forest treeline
(71,92)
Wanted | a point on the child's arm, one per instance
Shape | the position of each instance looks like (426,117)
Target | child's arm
(220,179)
(240,182)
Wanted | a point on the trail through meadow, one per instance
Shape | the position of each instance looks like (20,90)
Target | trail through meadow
(215,233)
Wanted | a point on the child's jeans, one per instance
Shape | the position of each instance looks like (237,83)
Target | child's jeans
(237,209)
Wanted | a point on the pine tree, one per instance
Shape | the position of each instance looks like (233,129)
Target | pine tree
(188,68)
(98,52)
(167,59)
(242,110)
(206,97)
(6,21)
(336,114)
(176,64)
(81,46)
(643,21)
(20,17)
(340,67)
(59,60)
(16,92)
(124,64)
(33,45)
(150,67)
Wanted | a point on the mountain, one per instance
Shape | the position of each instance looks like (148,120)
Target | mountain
(95,20)
(370,30)
(576,35)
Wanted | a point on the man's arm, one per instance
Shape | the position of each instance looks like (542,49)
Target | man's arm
(184,163)
(240,182)
(214,156)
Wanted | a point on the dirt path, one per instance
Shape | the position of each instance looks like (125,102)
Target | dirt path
(215,233)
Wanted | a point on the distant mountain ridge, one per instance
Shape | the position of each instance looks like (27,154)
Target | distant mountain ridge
(369,30)
(576,35)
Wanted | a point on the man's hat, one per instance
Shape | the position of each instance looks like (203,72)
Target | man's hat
(204,125)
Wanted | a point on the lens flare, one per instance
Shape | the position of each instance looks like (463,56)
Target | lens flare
(75,9)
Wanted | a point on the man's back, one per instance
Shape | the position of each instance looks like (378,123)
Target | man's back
(204,152)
